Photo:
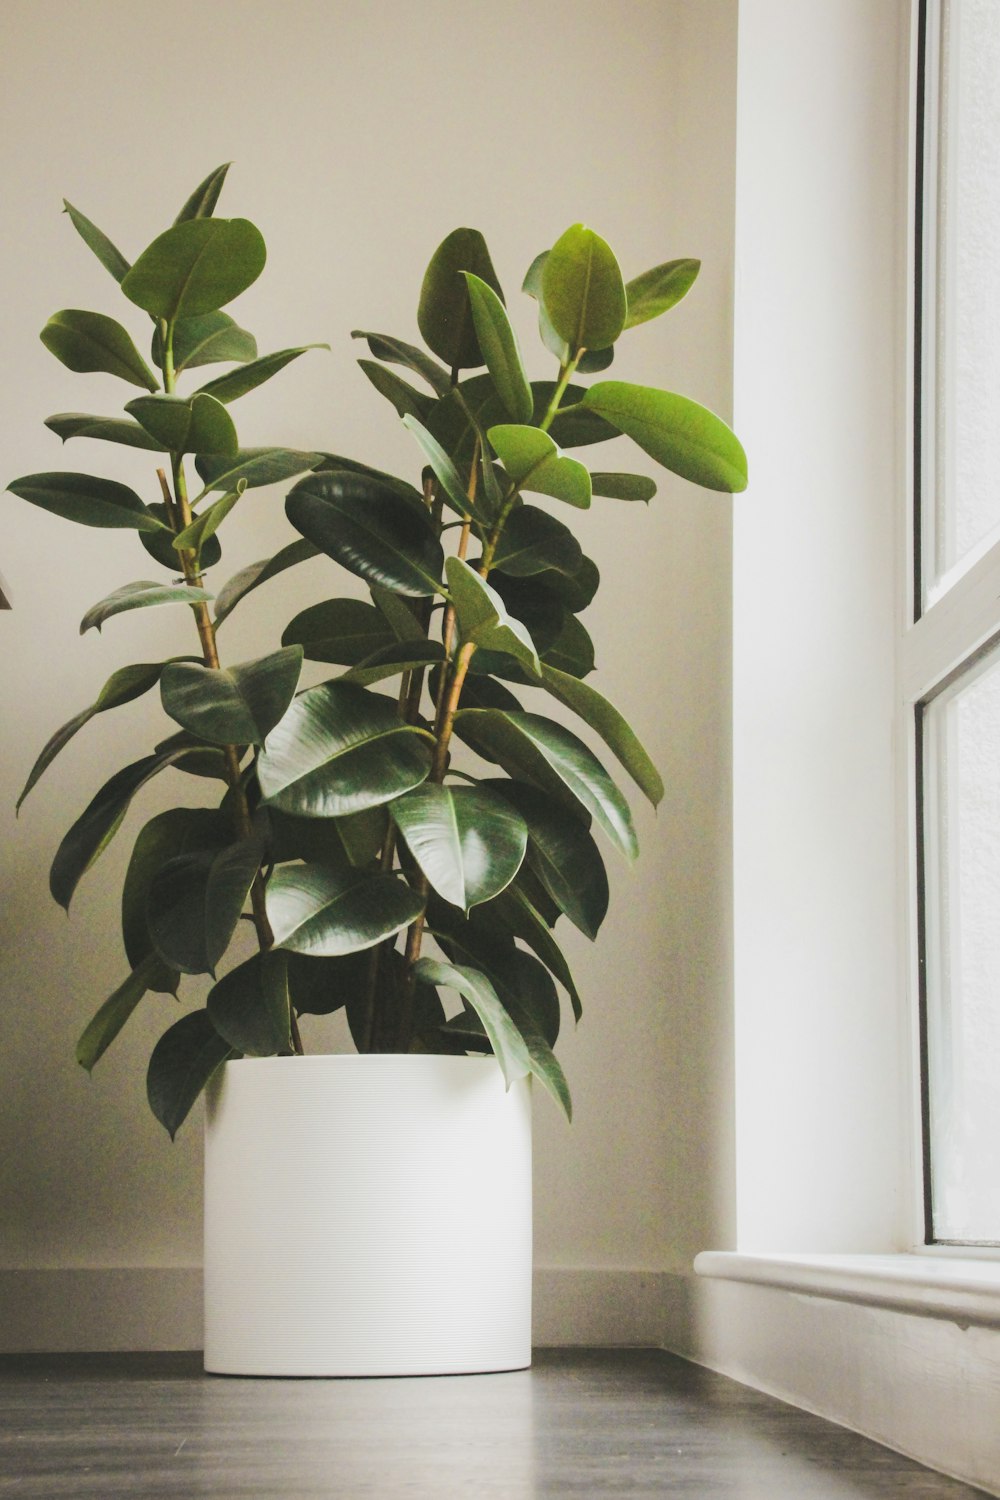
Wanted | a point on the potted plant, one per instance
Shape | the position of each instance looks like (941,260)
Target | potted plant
(384,869)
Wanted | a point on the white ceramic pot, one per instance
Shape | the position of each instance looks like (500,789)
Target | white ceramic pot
(367,1216)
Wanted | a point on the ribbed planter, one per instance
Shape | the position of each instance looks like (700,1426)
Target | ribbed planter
(367,1216)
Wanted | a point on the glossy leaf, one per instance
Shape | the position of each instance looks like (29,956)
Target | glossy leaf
(87,342)
(249,376)
(482,617)
(446,473)
(183,1061)
(572,650)
(212,338)
(335,463)
(520,915)
(398,392)
(344,631)
(623,486)
(315,909)
(250,1006)
(533,461)
(237,705)
(684,437)
(391,660)
(368,530)
(533,541)
(507,1043)
(338,749)
(140,595)
(536,749)
(656,291)
(204,526)
(87,500)
(101,1031)
(196,267)
(177,831)
(530,995)
(258,466)
(562,853)
(468,841)
(69,424)
(357,838)
(195,901)
(444,314)
(251,577)
(121,687)
(545,1066)
(96,240)
(195,425)
(583,290)
(603,717)
(201,204)
(394,351)
(500,349)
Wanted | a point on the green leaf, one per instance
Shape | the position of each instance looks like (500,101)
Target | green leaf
(391,660)
(533,461)
(250,1006)
(252,576)
(368,530)
(602,716)
(89,341)
(398,614)
(95,239)
(238,382)
(508,1045)
(468,841)
(656,291)
(87,500)
(101,1031)
(444,314)
(575,427)
(532,284)
(684,437)
(583,290)
(202,201)
(160,544)
(179,830)
(99,822)
(398,392)
(344,631)
(140,595)
(335,463)
(183,1061)
(499,346)
(197,424)
(535,749)
(68,424)
(483,619)
(358,838)
(338,749)
(195,901)
(204,526)
(623,486)
(533,541)
(315,909)
(575,591)
(518,913)
(445,471)
(212,338)
(572,650)
(196,267)
(562,853)
(319,986)
(544,1063)
(258,466)
(394,351)
(237,705)
(121,687)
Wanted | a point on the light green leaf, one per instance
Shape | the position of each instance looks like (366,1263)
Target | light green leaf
(183,1061)
(338,749)
(258,466)
(468,841)
(237,705)
(101,1031)
(68,424)
(444,314)
(140,595)
(318,910)
(368,530)
(499,345)
(238,382)
(398,392)
(508,1045)
(583,290)
(206,523)
(533,461)
(252,576)
(212,338)
(196,267)
(533,541)
(483,619)
(196,424)
(394,351)
(201,204)
(602,716)
(656,291)
(623,486)
(532,284)
(445,471)
(195,901)
(684,437)
(89,341)
(96,240)
(250,1006)
(86,500)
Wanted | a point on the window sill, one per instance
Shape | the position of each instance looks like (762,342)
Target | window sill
(964,1290)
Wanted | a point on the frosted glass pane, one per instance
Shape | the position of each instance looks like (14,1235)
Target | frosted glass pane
(963,980)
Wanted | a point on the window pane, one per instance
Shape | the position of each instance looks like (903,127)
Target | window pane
(966,466)
(962,811)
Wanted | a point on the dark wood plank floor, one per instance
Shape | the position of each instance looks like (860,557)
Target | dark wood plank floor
(581,1423)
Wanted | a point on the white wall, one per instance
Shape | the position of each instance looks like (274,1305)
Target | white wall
(360,136)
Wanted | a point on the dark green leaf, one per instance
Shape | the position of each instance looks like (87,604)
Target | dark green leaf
(319,986)
(250,1008)
(499,346)
(603,717)
(391,660)
(336,463)
(68,424)
(237,705)
(529,990)
(89,341)
(534,462)
(369,531)
(238,382)
(160,544)
(95,239)
(213,338)
(345,631)
(398,392)
(195,538)
(533,541)
(399,614)
(183,1061)
(463,838)
(394,351)
(444,315)
(315,909)
(575,592)
(252,576)
(179,830)
(684,437)
(140,595)
(508,1046)
(533,603)
(198,424)
(623,486)
(113,1014)
(544,1063)
(356,839)
(583,290)
(562,854)
(257,466)
(483,619)
(445,471)
(656,291)
(515,909)
(202,201)
(341,748)
(572,650)
(87,500)
(576,427)
(196,267)
(196,758)
(195,901)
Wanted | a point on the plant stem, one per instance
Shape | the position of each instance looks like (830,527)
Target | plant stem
(566,374)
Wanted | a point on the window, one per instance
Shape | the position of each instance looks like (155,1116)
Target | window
(951,655)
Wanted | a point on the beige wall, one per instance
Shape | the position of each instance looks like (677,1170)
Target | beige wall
(361,135)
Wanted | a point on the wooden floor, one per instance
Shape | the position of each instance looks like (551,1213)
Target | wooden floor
(581,1423)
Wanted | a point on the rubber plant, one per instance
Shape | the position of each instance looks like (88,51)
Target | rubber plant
(385,871)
